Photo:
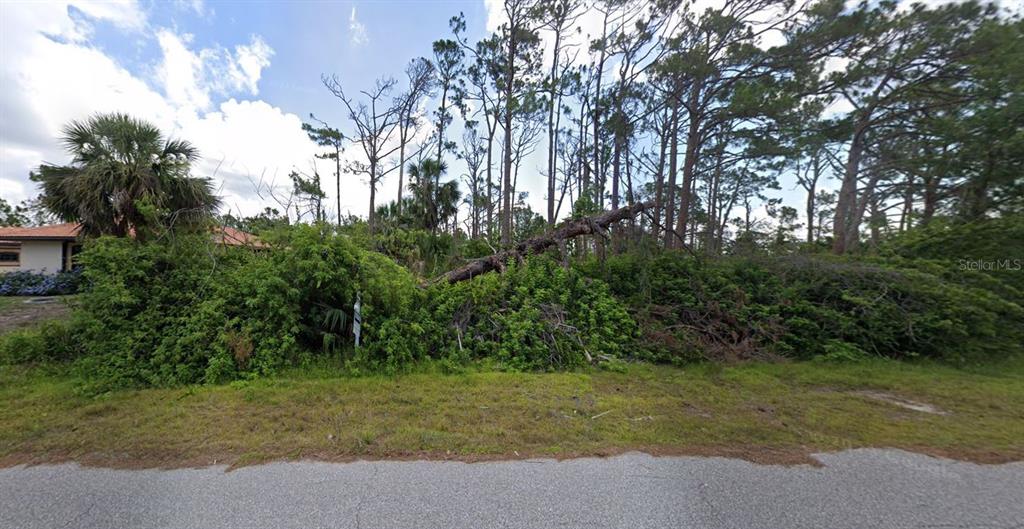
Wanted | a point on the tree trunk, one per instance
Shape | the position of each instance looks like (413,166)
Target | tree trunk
(401,174)
(593,225)
(690,162)
(506,213)
(847,200)
(440,126)
(659,184)
(337,180)
(670,199)
(598,176)
(931,198)
(373,195)
(552,143)
(490,179)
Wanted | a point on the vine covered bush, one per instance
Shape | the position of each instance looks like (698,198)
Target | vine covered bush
(811,306)
(179,309)
(186,311)
(535,315)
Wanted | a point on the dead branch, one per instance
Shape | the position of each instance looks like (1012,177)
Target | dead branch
(593,225)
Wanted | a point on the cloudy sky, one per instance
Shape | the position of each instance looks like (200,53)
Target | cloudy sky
(234,78)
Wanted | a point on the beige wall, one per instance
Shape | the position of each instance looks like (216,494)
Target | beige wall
(41,256)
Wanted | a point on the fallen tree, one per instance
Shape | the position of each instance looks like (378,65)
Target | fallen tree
(593,225)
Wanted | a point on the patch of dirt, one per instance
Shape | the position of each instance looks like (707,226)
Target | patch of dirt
(902,402)
(21,312)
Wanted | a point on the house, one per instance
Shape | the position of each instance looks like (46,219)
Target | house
(43,249)
(51,249)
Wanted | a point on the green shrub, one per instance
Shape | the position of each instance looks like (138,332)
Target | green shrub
(537,315)
(52,341)
(945,239)
(138,322)
(184,311)
(803,307)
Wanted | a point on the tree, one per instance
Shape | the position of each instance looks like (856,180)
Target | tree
(557,17)
(124,177)
(473,153)
(375,121)
(448,56)
(719,78)
(433,205)
(420,73)
(326,136)
(12,215)
(520,60)
(899,62)
(308,196)
(485,75)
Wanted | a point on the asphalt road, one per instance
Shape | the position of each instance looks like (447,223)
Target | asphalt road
(856,489)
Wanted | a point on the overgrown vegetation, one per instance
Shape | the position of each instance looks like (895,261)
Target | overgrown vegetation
(180,310)
(806,306)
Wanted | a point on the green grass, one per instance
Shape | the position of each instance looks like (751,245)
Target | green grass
(763,412)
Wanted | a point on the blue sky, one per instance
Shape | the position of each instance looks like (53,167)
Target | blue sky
(235,78)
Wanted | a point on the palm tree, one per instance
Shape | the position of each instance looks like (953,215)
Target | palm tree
(124,176)
(433,204)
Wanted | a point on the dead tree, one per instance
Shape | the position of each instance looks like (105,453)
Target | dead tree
(593,225)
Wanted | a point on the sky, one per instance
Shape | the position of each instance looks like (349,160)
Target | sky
(237,79)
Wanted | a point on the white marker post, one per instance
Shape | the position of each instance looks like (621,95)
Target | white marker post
(357,318)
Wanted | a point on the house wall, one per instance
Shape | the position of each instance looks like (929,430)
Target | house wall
(42,256)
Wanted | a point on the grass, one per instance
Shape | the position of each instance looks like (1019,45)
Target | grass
(762,412)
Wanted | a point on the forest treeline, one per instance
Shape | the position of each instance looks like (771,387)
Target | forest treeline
(886,115)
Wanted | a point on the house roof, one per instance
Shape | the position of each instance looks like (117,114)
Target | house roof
(228,236)
(67,231)
(223,235)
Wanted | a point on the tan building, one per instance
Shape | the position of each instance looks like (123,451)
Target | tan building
(43,249)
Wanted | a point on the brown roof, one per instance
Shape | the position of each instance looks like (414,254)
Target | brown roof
(229,236)
(70,231)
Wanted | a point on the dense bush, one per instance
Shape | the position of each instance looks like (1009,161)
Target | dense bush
(944,239)
(25,283)
(803,307)
(53,341)
(535,315)
(987,253)
(893,311)
(182,310)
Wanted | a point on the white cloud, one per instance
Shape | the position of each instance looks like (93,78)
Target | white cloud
(50,74)
(125,14)
(196,6)
(190,78)
(357,31)
(249,62)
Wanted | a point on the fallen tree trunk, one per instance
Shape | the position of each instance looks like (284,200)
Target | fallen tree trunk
(593,225)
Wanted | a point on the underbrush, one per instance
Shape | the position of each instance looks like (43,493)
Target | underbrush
(812,307)
(180,310)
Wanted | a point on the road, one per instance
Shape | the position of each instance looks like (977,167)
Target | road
(856,489)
